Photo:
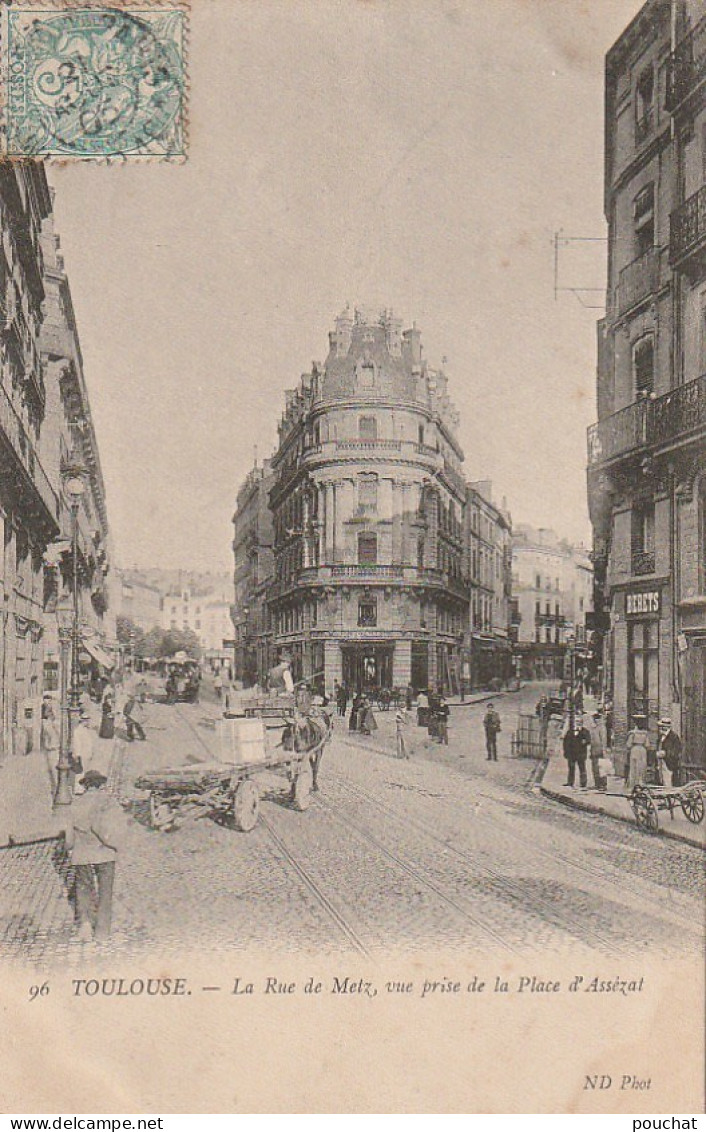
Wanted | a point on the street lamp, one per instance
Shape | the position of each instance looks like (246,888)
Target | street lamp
(65,620)
(571,642)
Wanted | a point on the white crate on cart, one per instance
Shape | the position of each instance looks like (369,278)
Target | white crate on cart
(242,741)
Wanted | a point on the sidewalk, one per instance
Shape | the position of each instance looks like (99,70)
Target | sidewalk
(614,803)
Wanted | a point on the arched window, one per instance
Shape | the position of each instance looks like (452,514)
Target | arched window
(367,549)
(643,365)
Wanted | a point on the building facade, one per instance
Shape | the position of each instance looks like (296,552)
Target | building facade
(488,536)
(68,442)
(647,452)
(45,430)
(29,500)
(552,587)
(205,612)
(253,551)
(137,600)
(370,582)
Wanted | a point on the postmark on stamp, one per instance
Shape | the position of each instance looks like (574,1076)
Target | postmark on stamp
(94,83)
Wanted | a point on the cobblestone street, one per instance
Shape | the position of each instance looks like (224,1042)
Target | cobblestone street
(445,849)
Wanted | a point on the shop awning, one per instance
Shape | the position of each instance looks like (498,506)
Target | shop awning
(99,654)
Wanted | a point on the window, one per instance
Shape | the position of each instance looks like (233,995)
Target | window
(643,364)
(643,539)
(643,671)
(368,428)
(420,433)
(420,553)
(367,613)
(368,492)
(367,549)
(644,104)
(644,220)
(538,582)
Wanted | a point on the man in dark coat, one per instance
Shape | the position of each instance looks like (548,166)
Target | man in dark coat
(491,725)
(577,742)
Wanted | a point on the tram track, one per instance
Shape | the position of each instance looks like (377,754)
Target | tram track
(676,918)
(547,912)
(284,854)
(367,837)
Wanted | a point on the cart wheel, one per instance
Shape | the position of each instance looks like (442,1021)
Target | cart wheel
(246,806)
(301,795)
(693,806)
(161,816)
(645,811)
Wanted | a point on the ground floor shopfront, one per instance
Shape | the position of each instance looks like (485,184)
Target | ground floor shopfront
(375,662)
(656,665)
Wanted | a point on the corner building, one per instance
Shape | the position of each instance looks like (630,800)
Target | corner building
(647,452)
(370,583)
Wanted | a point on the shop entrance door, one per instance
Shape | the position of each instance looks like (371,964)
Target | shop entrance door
(367,666)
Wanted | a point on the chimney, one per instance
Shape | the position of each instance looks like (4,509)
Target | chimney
(413,342)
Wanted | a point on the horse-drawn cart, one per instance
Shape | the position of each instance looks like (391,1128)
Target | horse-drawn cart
(228,787)
(647,801)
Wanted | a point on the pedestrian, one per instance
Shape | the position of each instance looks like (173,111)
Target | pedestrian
(218,685)
(422,709)
(441,711)
(131,713)
(491,725)
(107,724)
(669,754)
(82,750)
(93,836)
(409,696)
(598,745)
(577,742)
(355,712)
(367,723)
(637,744)
(50,728)
(400,728)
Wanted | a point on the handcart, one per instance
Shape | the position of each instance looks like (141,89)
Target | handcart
(647,801)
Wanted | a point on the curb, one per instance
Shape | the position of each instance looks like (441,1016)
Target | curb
(576,804)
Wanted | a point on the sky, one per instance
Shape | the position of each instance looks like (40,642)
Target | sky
(412,154)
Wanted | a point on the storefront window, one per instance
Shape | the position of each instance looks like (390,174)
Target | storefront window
(643,672)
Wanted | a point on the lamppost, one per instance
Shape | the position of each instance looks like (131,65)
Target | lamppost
(64,617)
(571,642)
(75,487)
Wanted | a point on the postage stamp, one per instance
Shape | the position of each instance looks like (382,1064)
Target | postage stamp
(94,83)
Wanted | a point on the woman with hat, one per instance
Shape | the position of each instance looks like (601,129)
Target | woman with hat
(94,837)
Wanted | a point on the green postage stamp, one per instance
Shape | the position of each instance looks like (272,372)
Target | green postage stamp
(94,82)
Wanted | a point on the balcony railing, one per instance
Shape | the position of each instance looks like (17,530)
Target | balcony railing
(678,412)
(618,433)
(365,570)
(665,420)
(687,230)
(13,432)
(687,66)
(642,562)
(359,445)
(638,280)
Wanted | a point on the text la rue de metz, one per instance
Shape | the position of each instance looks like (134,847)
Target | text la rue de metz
(347,985)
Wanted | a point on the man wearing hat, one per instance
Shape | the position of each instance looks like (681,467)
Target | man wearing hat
(668,753)
(94,836)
